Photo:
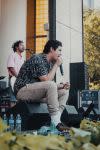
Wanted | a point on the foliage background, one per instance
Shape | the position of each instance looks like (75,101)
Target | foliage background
(92,46)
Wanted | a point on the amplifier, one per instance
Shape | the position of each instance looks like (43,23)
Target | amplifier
(86,97)
(4,83)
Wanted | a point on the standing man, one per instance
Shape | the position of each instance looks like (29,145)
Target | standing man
(15,61)
(35,81)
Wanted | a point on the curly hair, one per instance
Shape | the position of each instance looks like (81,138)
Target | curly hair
(16,44)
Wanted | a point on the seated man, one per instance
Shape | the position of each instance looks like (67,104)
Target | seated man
(15,61)
(35,81)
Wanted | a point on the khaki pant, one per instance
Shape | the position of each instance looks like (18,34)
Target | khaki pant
(47,92)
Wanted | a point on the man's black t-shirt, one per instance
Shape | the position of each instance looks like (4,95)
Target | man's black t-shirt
(31,70)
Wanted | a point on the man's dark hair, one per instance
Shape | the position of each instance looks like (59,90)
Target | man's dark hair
(16,44)
(51,43)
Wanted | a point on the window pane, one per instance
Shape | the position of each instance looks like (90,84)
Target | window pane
(40,42)
(41,19)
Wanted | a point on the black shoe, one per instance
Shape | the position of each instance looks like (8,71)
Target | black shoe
(61,127)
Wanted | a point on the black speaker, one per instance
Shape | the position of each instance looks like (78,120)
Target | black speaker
(70,116)
(73,98)
(79,76)
(34,115)
(78,81)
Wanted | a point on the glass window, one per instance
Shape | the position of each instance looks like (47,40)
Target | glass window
(41,19)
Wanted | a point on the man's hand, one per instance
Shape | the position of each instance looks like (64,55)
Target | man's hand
(59,61)
(13,71)
(64,86)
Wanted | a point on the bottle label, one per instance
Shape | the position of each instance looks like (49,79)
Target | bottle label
(18,121)
(11,121)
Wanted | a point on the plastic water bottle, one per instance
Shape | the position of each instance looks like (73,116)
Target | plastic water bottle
(53,129)
(18,123)
(5,119)
(11,122)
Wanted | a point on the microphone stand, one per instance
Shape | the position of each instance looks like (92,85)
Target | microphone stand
(89,109)
(31,51)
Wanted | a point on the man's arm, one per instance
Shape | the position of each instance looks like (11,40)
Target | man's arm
(11,64)
(12,70)
(51,74)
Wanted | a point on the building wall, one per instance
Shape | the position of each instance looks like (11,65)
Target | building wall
(12,28)
(0,11)
(69,31)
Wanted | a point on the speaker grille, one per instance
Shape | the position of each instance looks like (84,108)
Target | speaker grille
(79,76)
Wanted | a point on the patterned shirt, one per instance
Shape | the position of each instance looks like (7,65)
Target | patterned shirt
(31,70)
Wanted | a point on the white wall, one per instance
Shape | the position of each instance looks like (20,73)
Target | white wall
(12,28)
(69,31)
(0,11)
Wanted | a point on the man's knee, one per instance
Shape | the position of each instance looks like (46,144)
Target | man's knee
(66,92)
(52,84)
(63,92)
